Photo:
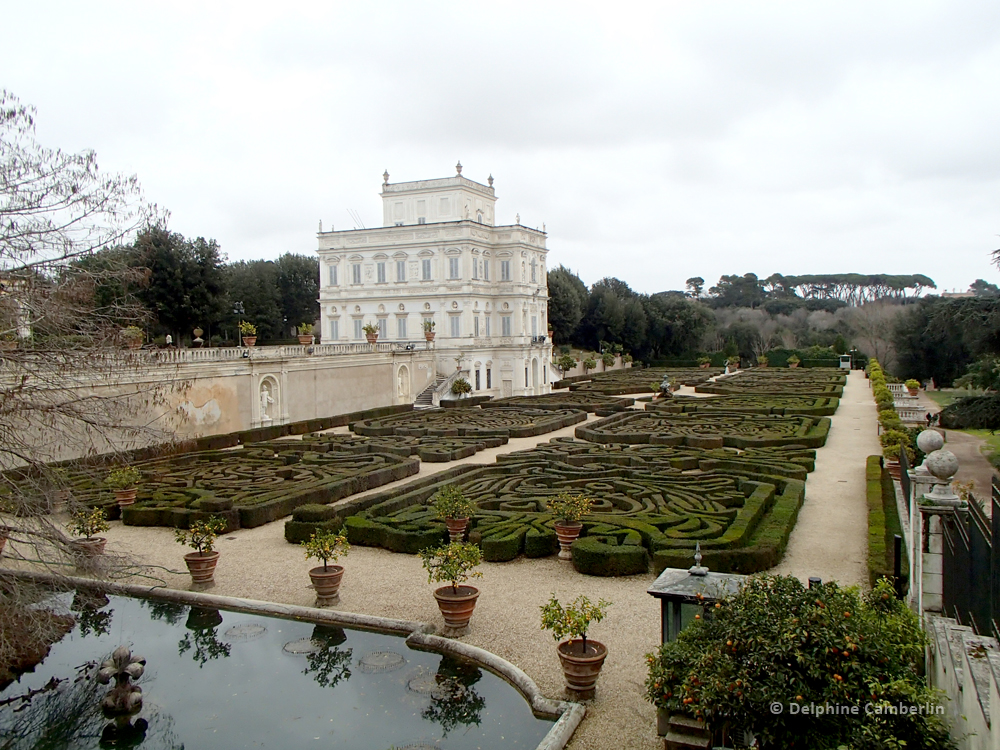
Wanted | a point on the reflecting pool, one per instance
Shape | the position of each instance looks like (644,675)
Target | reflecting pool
(219,679)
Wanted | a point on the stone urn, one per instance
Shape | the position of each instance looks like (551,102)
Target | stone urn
(428,335)
(125,497)
(326,581)
(581,668)
(372,338)
(456,528)
(456,608)
(249,341)
(201,565)
(568,532)
(306,339)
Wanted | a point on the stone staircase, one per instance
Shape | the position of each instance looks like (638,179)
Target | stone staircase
(425,399)
(685,733)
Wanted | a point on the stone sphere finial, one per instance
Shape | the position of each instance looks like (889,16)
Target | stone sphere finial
(942,464)
(458,167)
(929,441)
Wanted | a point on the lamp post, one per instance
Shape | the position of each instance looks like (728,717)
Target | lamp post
(239,312)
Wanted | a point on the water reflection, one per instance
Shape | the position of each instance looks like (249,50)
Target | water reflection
(168,612)
(66,713)
(455,702)
(90,619)
(330,664)
(203,623)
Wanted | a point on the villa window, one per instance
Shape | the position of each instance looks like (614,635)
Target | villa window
(505,325)
(489,378)
(400,270)
(475,269)
(534,325)
(505,270)
(333,276)
(425,267)
(380,271)
(401,329)
(486,270)
(486,322)
(358,333)
(453,268)
(456,326)
(477,381)
(475,325)
(355,273)
(383,328)
(534,272)
(334,330)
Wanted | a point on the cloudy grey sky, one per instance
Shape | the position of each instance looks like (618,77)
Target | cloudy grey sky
(657,141)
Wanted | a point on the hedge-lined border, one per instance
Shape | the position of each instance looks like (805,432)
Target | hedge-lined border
(749,404)
(883,523)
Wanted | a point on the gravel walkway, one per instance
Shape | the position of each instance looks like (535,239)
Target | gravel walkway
(830,538)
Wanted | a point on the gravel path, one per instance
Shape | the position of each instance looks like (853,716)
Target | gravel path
(830,538)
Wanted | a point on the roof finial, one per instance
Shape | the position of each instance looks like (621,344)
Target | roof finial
(517,218)
(385,177)
(458,167)
(490,180)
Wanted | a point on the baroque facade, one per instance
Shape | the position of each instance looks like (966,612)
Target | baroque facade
(440,261)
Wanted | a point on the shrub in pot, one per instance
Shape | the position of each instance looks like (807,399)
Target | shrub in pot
(200,537)
(455,509)
(461,387)
(568,510)
(762,361)
(589,364)
(124,480)
(326,546)
(565,362)
(88,523)
(581,660)
(371,332)
(133,336)
(608,359)
(305,334)
(913,386)
(249,333)
(793,361)
(704,362)
(454,564)
(429,329)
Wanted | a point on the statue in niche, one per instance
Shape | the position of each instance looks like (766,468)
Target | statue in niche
(265,401)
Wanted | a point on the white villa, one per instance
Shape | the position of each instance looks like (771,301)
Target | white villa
(439,259)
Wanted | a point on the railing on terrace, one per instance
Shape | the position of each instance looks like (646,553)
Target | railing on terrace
(971,565)
(232,353)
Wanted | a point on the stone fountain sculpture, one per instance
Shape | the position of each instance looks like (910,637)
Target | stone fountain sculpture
(124,698)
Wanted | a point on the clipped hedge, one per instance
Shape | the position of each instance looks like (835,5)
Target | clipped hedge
(883,522)
(605,555)
(973,412)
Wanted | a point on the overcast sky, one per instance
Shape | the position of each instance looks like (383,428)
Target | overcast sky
(657,141)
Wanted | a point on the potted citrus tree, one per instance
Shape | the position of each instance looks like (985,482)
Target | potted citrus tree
(762,361)
(132,336)
(305,334)
(88,523)
(913,386)
(581,659)
(589,364)
(371,332)
(454,564)
(704,362)
(568,510)
(793,361)
(326,546)
(429,329)
(455,509)
(200,537)
(249,333)
(124,480)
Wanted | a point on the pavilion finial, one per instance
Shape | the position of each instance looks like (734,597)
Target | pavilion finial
(385,177)
(458,167)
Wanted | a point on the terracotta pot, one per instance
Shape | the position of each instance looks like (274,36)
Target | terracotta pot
(456,528)
(582,670)
(704,366)
(249,340)
(91,546)
(456,609)
(372,337)
(793,365)
(429,335)
(913,391)
(326,581)
(567,533)
(125,497)
(133,343)
(306,340)
(895,470)
(201,565)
